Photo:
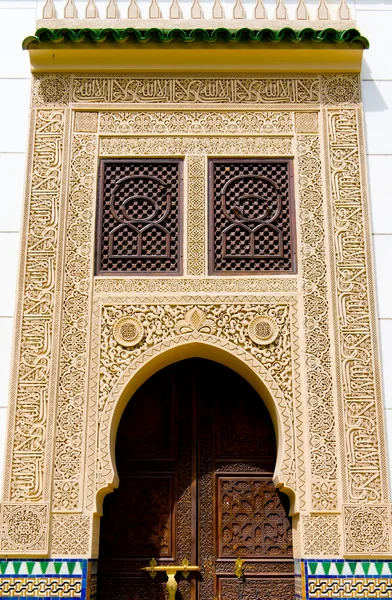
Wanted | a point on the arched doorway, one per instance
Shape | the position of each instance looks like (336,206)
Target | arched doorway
(195,454)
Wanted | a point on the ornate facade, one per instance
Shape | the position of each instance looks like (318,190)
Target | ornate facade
(85,343)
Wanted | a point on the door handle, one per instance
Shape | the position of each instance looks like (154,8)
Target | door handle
(239,568)
(171,572)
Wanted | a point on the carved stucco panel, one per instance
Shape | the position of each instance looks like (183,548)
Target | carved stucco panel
(196,216)
(25,528)
(367,529)
(28,467)
(196,122)
(51,90)
(339,90)
(223,324)
(71,535)
(359,387)
(37,316)
(112,285)
(307,122)
(321,535)
(321,408)
(86,122)
(196,90)
(68,459)
(229,146)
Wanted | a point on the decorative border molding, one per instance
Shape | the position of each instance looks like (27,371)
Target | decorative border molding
(211,285)
(193,89)
(75,331)
(321,409)
(356,348)
(179,146)
(201,123)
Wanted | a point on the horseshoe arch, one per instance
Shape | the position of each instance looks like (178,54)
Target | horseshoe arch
(196,345)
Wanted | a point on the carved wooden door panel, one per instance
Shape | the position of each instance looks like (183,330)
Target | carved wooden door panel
(195,453)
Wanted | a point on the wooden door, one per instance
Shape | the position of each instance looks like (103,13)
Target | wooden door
(195,454)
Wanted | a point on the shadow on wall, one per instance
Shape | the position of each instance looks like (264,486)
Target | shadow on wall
(372,97)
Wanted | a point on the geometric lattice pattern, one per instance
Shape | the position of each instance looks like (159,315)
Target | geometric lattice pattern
(253,519)
(251,215)
(138,216)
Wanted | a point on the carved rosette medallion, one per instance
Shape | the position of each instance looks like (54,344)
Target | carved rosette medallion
(263,330)
(51,90)
(24,527)
(367,529)
(128,332)
(341,89)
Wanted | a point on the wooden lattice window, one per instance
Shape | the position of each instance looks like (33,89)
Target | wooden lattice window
(251,216)
(138,220)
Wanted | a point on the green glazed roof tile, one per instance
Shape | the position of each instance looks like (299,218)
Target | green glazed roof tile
(165,36)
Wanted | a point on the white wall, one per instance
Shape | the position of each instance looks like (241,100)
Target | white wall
(17,19)
(374,20)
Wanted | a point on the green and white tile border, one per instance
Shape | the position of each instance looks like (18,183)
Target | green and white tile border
(349,568)
(322,579)
(48,578)
(76,578)
(42,567)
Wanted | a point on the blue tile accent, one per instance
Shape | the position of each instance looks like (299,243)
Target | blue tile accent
(347,579)
(51,579)
(321,579)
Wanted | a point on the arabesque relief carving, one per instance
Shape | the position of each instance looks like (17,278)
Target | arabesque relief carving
(168,318)
(367,529)
(53,90)
(323,458)
(70,535)
(26,480)
(86,122)
(306,122)
(196,234)
(321,368)
(109,285)
(25,526)
(75,331)
(357,352)
(141,146)
(205,123)
(341,89)
(196,90)
(229,321)
(321,535)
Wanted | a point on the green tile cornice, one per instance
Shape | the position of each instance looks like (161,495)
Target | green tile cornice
(155,35)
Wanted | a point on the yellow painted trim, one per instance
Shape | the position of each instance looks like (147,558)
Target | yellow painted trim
(246,58)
